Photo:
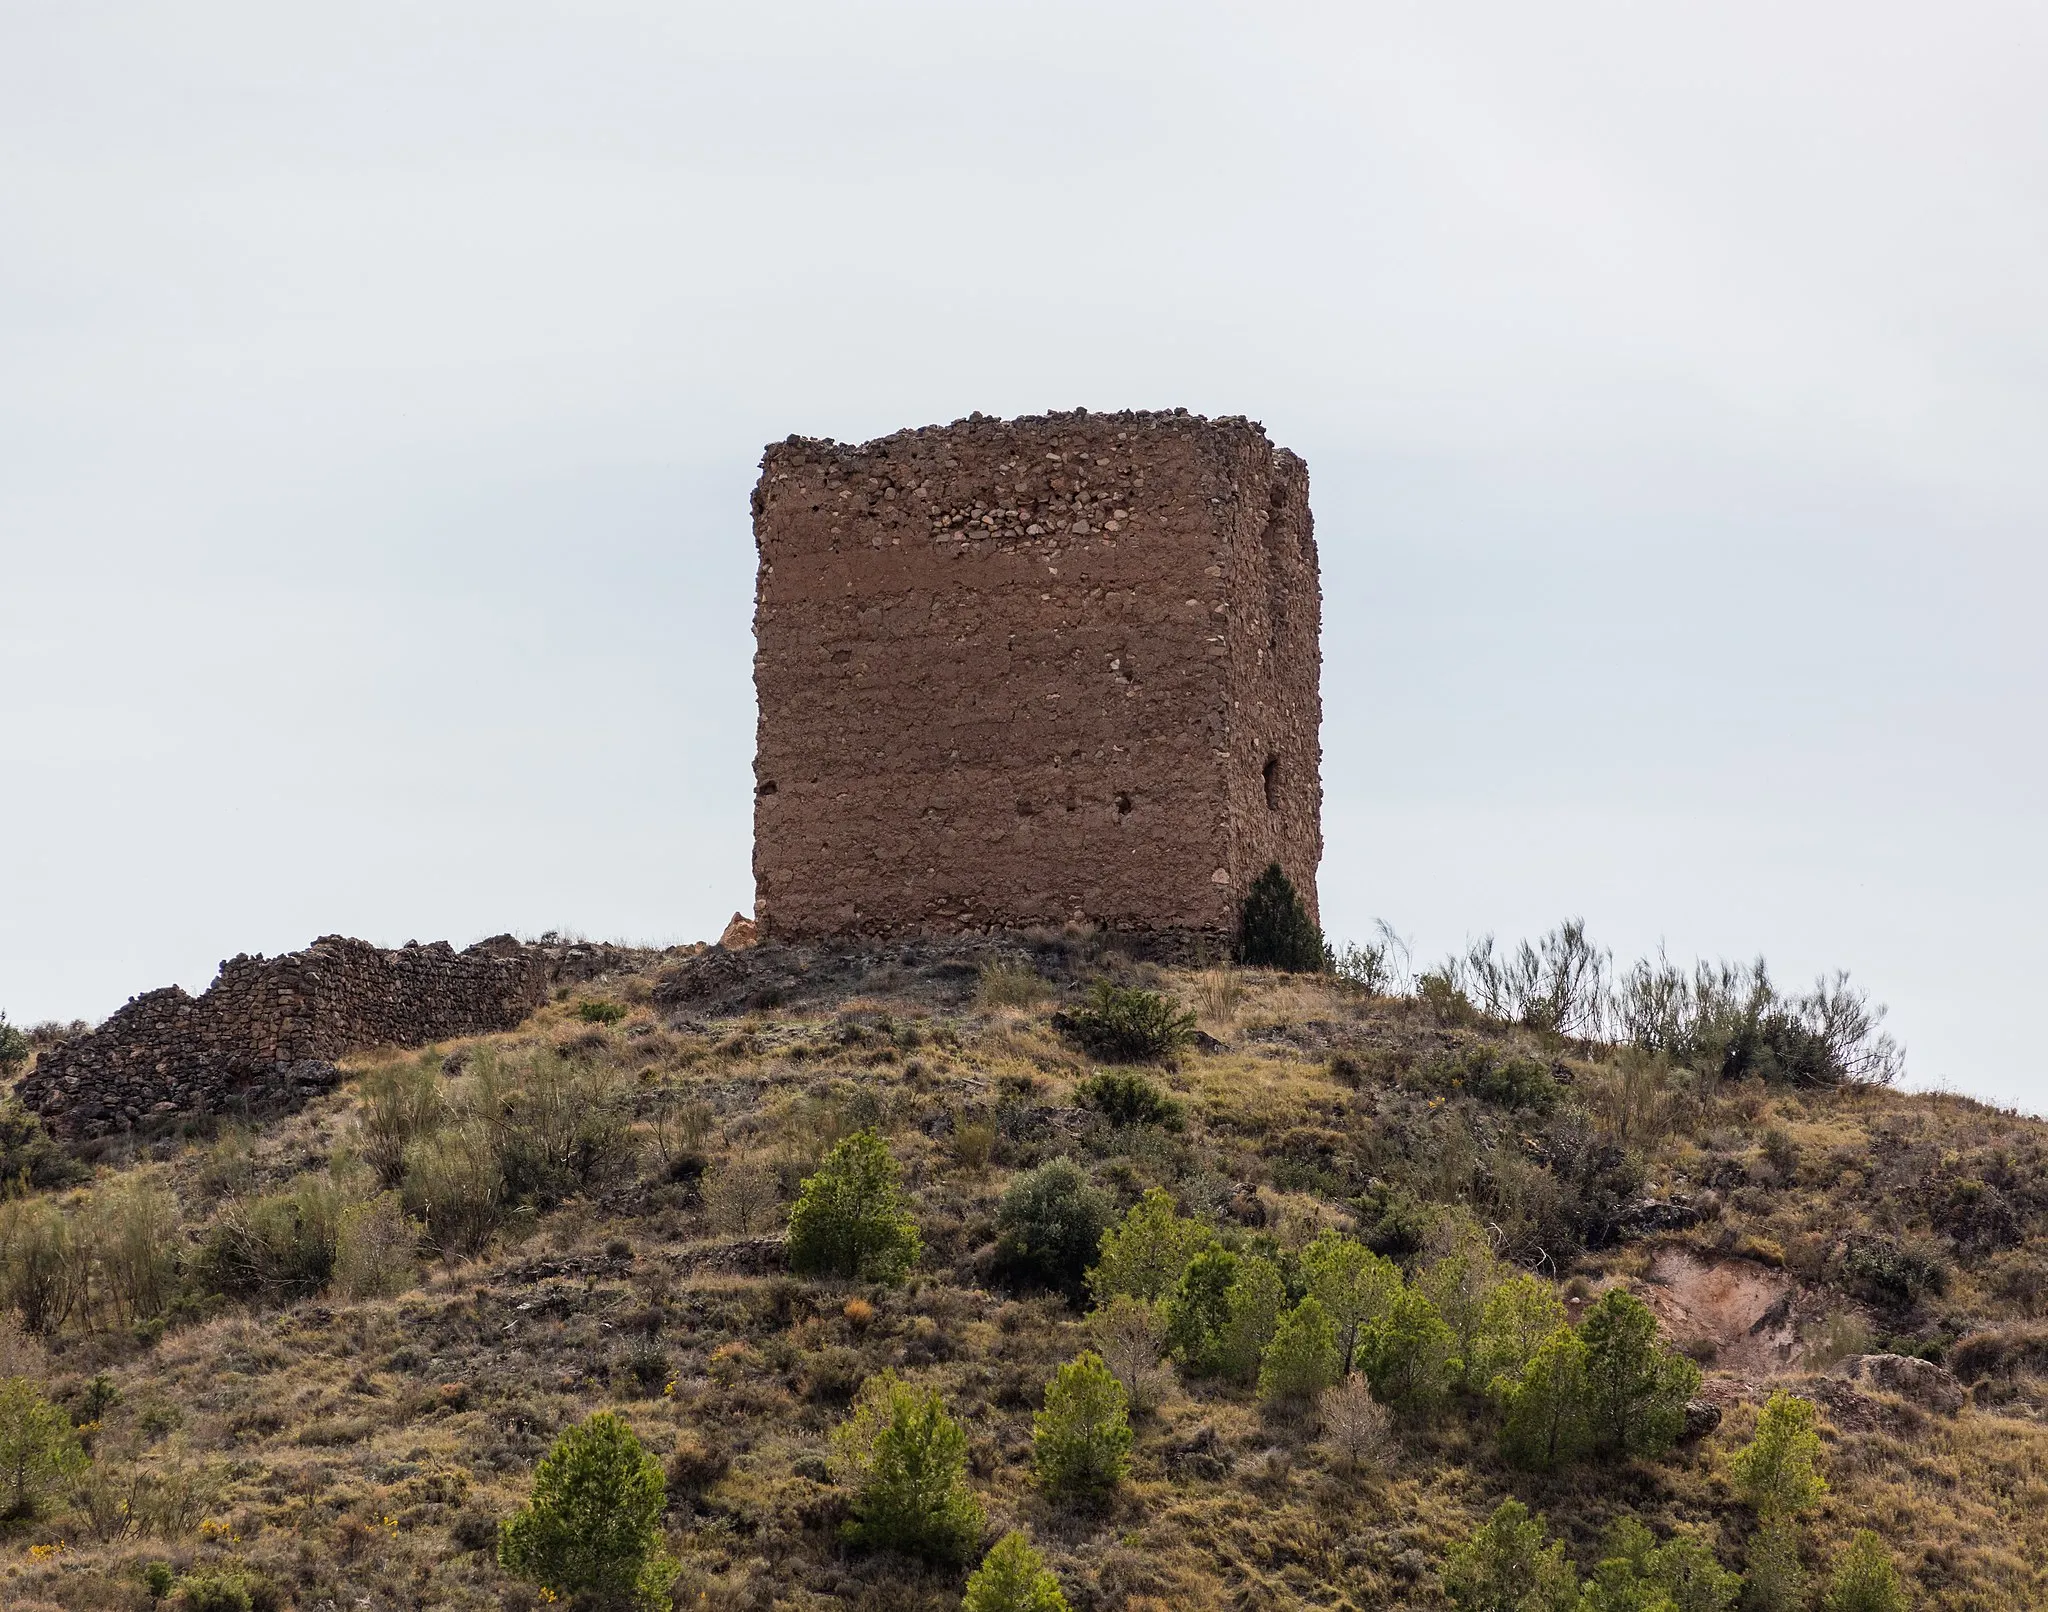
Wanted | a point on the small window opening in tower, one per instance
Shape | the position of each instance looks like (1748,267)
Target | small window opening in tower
(1272,783)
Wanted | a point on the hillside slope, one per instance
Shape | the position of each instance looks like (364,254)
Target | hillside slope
(308,1384)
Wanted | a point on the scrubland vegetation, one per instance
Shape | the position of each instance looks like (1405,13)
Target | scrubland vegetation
(1105,1286)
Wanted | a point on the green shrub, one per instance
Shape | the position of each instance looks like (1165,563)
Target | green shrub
(1013,1578)
(851,1218)
(560,1127)
(1081,1440)
(398,1103)
(591,1012)
(1637,1391)
(38,1448)
(134,1230)
(1146,1252)
(1777,1473)
(1406,1354)
(214,1589)
(1301,1360)
(1506,1567)
(1888,1272)
(1124,1022)
(28,1153)
(1636,1574)
(455,1189)
(593,1525)
(1002,982)
(1545,1407)
(1863,1578)
(38,1276)
(906,1461)
(1128,1099)
(159,1579)
(374,1249)
(1049,1225)
(1274,929)
(1459,1285)
(14,1049)
(274,1249)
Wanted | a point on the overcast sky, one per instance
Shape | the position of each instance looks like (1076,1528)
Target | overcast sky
(381,386)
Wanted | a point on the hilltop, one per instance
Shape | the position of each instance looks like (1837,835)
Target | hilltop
(325,1352)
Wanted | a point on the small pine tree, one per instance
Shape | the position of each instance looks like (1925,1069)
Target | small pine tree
(1406,1354)
(1517,1320)
(1301,1361)
(1013,1578)
(1256,1298)
(1777,1473)
(1274,929)
(906,1462)
(1636,1574)
(1198,1311)
(851,1218)
(1773,1580)
(593,1525)
(1544,1422)
(38,1448)
(1637,1391)
(1146,1252)
(1353,1284)
(1506,1567)
(1863,1578)
(1081,1440)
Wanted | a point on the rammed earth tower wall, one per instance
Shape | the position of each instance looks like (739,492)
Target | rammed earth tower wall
(1024,672)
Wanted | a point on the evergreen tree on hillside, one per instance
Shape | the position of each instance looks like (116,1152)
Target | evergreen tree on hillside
(1275,930)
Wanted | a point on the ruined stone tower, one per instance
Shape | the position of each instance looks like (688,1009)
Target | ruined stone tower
(1024,672)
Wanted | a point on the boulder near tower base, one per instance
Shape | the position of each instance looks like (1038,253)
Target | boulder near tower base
(1022,673)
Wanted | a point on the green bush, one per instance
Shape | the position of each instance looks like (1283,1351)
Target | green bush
(906,1461)
(14,1049)
(1353,1284)
(398,1103)
(851,1218)
(1636,1391)
(227,1589)
(593,1525)
(1636,1574)
(1545,1407)
(1774,1580)
(38,1448)
(1517,1319)
(1049,1225)
(1013,1578)
(1777,1473)
(1128,1099)
(560,1127)
(1124,1022)
(601,1012)
(37,1271)
(29,1153)
(1301,1360)
(1274,929)
(1145,1253)
(1081,1440)
(455,1189)
(1506,1567)
(1863,1578)
(273,1249)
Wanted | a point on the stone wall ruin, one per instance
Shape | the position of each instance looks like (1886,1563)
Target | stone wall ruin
(266,1033)
(1022,673)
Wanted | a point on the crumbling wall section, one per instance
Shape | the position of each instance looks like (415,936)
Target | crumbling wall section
(1022,673)
(266,1032)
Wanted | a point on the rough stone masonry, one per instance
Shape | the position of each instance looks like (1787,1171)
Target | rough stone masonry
(264,1034)
(1021,673)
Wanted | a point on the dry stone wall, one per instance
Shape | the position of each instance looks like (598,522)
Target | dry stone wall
(264,1035)
(1019,673)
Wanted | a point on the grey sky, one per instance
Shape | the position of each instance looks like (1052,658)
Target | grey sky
(380,388)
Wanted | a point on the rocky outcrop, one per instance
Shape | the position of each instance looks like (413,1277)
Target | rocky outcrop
(1921,1382)
(265,1034)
